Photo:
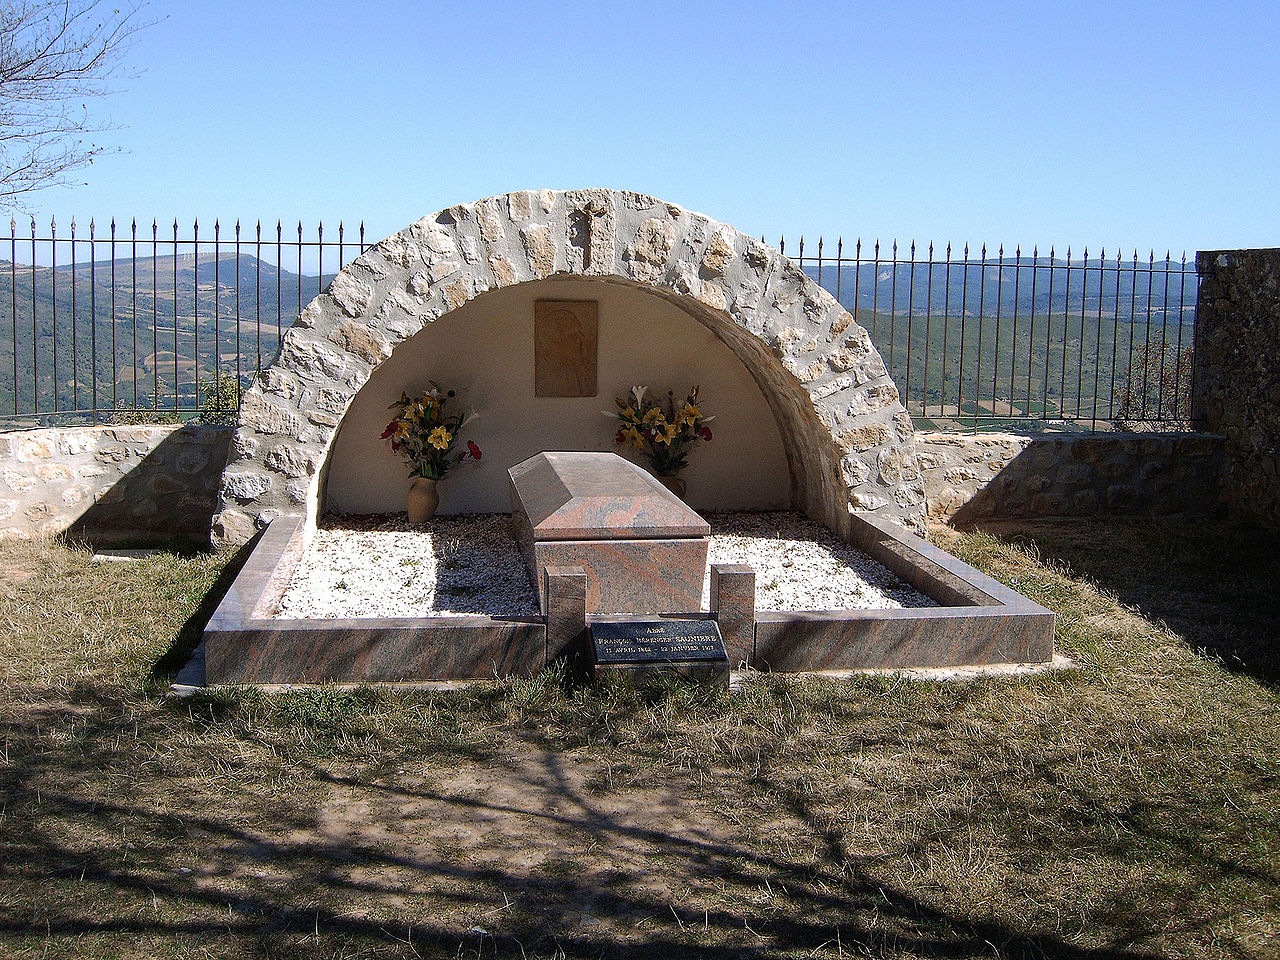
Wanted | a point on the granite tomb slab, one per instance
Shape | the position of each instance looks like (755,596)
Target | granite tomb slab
(643,550)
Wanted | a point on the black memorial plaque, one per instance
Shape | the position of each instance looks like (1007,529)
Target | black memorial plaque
(657,641)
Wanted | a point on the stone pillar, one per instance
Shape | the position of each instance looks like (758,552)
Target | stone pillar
(564,597)
(733,601)
(1237,373)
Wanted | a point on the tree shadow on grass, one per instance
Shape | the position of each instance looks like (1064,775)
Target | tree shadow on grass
(238,867)
(1212,584)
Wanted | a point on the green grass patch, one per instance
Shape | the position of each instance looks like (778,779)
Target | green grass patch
(1127,808)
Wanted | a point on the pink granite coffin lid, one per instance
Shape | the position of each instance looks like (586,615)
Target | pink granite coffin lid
(598,496)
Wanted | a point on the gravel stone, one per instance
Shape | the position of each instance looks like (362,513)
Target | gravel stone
(455,566)
(801,565)
(383,566)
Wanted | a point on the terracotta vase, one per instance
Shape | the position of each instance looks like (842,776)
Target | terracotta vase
(675,484)
(422,500)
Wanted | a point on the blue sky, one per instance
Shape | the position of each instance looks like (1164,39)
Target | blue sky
(1082,123)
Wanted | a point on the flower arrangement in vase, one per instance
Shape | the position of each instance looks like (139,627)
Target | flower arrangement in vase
(423,434)
(664,433)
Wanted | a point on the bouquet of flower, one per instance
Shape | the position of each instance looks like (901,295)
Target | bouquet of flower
(662,431)
(423,434)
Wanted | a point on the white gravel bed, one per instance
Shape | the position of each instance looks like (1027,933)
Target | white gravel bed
(381,566)
(801,565)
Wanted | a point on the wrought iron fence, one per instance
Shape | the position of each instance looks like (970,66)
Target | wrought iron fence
(150,324)
(980,341)
(144,324)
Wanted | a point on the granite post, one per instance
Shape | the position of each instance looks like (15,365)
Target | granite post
(733,601)
(564,597)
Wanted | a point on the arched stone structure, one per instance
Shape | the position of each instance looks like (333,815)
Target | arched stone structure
(848,439)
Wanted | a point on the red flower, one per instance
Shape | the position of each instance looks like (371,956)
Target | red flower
(395,446)
(473,450)
(391,428)
(705,433)
(621,437)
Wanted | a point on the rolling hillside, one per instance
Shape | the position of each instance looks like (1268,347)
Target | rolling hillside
(162,313)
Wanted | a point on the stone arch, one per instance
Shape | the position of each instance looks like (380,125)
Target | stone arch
(848,439)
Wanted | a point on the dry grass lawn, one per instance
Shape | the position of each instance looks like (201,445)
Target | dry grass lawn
(1130,808)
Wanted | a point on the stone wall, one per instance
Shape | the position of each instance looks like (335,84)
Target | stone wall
(158,485)
(983,476)
(1237,373)
(113,486)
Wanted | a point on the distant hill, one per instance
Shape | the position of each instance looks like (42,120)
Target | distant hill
(966,341)
(162,312)
(985,284)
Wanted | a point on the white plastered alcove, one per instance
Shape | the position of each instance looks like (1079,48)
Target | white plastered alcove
(484,350)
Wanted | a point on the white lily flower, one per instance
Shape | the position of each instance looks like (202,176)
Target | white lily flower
(638,393)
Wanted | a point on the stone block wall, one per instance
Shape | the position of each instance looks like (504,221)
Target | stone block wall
(131,486)
(158,485)
(984,476)
(1237,373)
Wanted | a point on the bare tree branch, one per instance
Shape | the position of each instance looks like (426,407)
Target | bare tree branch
(54,56)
